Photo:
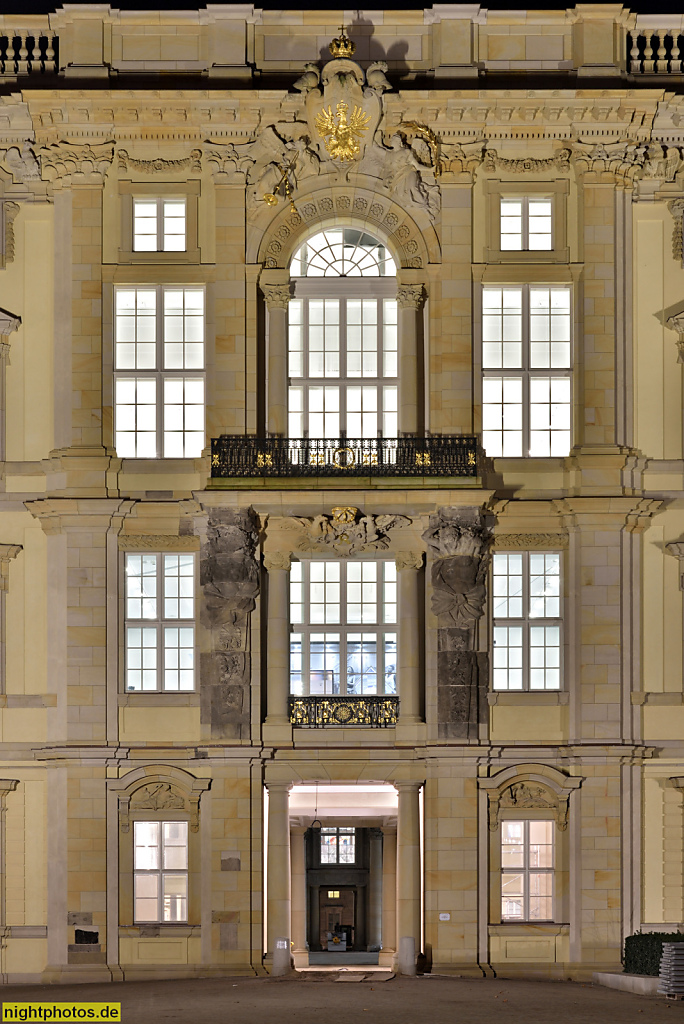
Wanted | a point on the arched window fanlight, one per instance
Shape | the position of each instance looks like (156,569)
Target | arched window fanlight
(342,252)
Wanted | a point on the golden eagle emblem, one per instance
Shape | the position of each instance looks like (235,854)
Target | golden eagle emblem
(341,134)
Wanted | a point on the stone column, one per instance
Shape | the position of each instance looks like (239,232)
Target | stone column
(409,659)
(277,298)
(278,878)
(408,873)
(8,323)
(375,889)
(298,860)
(278,646)
(389,897)
(7,553)
(410,302)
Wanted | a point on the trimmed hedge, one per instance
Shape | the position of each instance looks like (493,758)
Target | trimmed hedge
(644,950)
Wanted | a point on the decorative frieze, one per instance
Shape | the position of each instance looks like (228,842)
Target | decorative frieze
(530,541)
(157,542)
(66,164)
(530,787)
(560,161)
(346,531)
(192,162)
(10,211)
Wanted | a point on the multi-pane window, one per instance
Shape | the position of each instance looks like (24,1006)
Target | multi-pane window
(526,363)
(160,621)
(159,225)
(526,609)
(160,871)
(527,870)
(343,617)
(343,367)
(526,224)
(338,846)
(159,363)
(343,358)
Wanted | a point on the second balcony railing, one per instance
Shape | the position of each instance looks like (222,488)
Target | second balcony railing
(442,455)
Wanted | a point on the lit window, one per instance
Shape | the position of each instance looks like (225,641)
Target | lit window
(160,621)
(159,382)
(526,224)
(343,618)
(333,894)
(526,361)
(342,252)
(159,225)
(526,609)
(338,846)
(160,876)
(527,870)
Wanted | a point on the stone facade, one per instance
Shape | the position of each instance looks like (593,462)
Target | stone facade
(84,757)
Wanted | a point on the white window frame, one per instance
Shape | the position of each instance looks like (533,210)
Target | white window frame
(305,629)
(525,201)
(527,621)
(528,869)
(338,830)
(160,375)
(160,204)
(526,373)
(378,289)
(557,190)
(161,872)
(159,623)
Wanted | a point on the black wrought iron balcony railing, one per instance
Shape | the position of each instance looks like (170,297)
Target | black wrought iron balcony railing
(442,455)
(317,712)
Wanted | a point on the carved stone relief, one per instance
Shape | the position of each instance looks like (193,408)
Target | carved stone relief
(458,542)
(559,161)
(157,796)
(192,162)
(527,794)
(346,531)
(69,164)
(229,579)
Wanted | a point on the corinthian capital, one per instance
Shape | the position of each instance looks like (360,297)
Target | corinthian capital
(277,295)
(410,296)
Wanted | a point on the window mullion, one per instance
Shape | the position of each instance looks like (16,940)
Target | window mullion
(160,624)
(159,335)
(343,628)
(160,225)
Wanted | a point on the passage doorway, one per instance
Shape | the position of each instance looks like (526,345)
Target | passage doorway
(336,917)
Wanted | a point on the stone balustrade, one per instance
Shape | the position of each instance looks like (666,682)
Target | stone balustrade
(445,41)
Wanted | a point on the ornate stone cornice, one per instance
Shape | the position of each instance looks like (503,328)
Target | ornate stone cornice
(560,161)
(68,164)
(410,296)
(193,162)
(616,162)
(530,787)
(277,295)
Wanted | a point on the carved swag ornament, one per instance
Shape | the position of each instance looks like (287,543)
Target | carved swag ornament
(229,578)
(458,542)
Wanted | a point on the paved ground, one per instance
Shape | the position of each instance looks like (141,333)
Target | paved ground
(316,999)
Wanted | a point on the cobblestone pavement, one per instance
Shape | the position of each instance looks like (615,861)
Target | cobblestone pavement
(316,999)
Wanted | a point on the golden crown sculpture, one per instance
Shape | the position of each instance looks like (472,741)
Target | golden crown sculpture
(342,46)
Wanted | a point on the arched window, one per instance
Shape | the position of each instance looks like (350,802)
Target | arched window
(342,357)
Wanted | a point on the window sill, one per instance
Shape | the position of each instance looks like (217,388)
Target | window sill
(528,697)
(149,699)
(529,928)
(160,256)
(527,257)
(155,931)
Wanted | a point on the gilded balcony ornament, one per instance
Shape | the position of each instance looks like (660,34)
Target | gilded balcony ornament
(340,134)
